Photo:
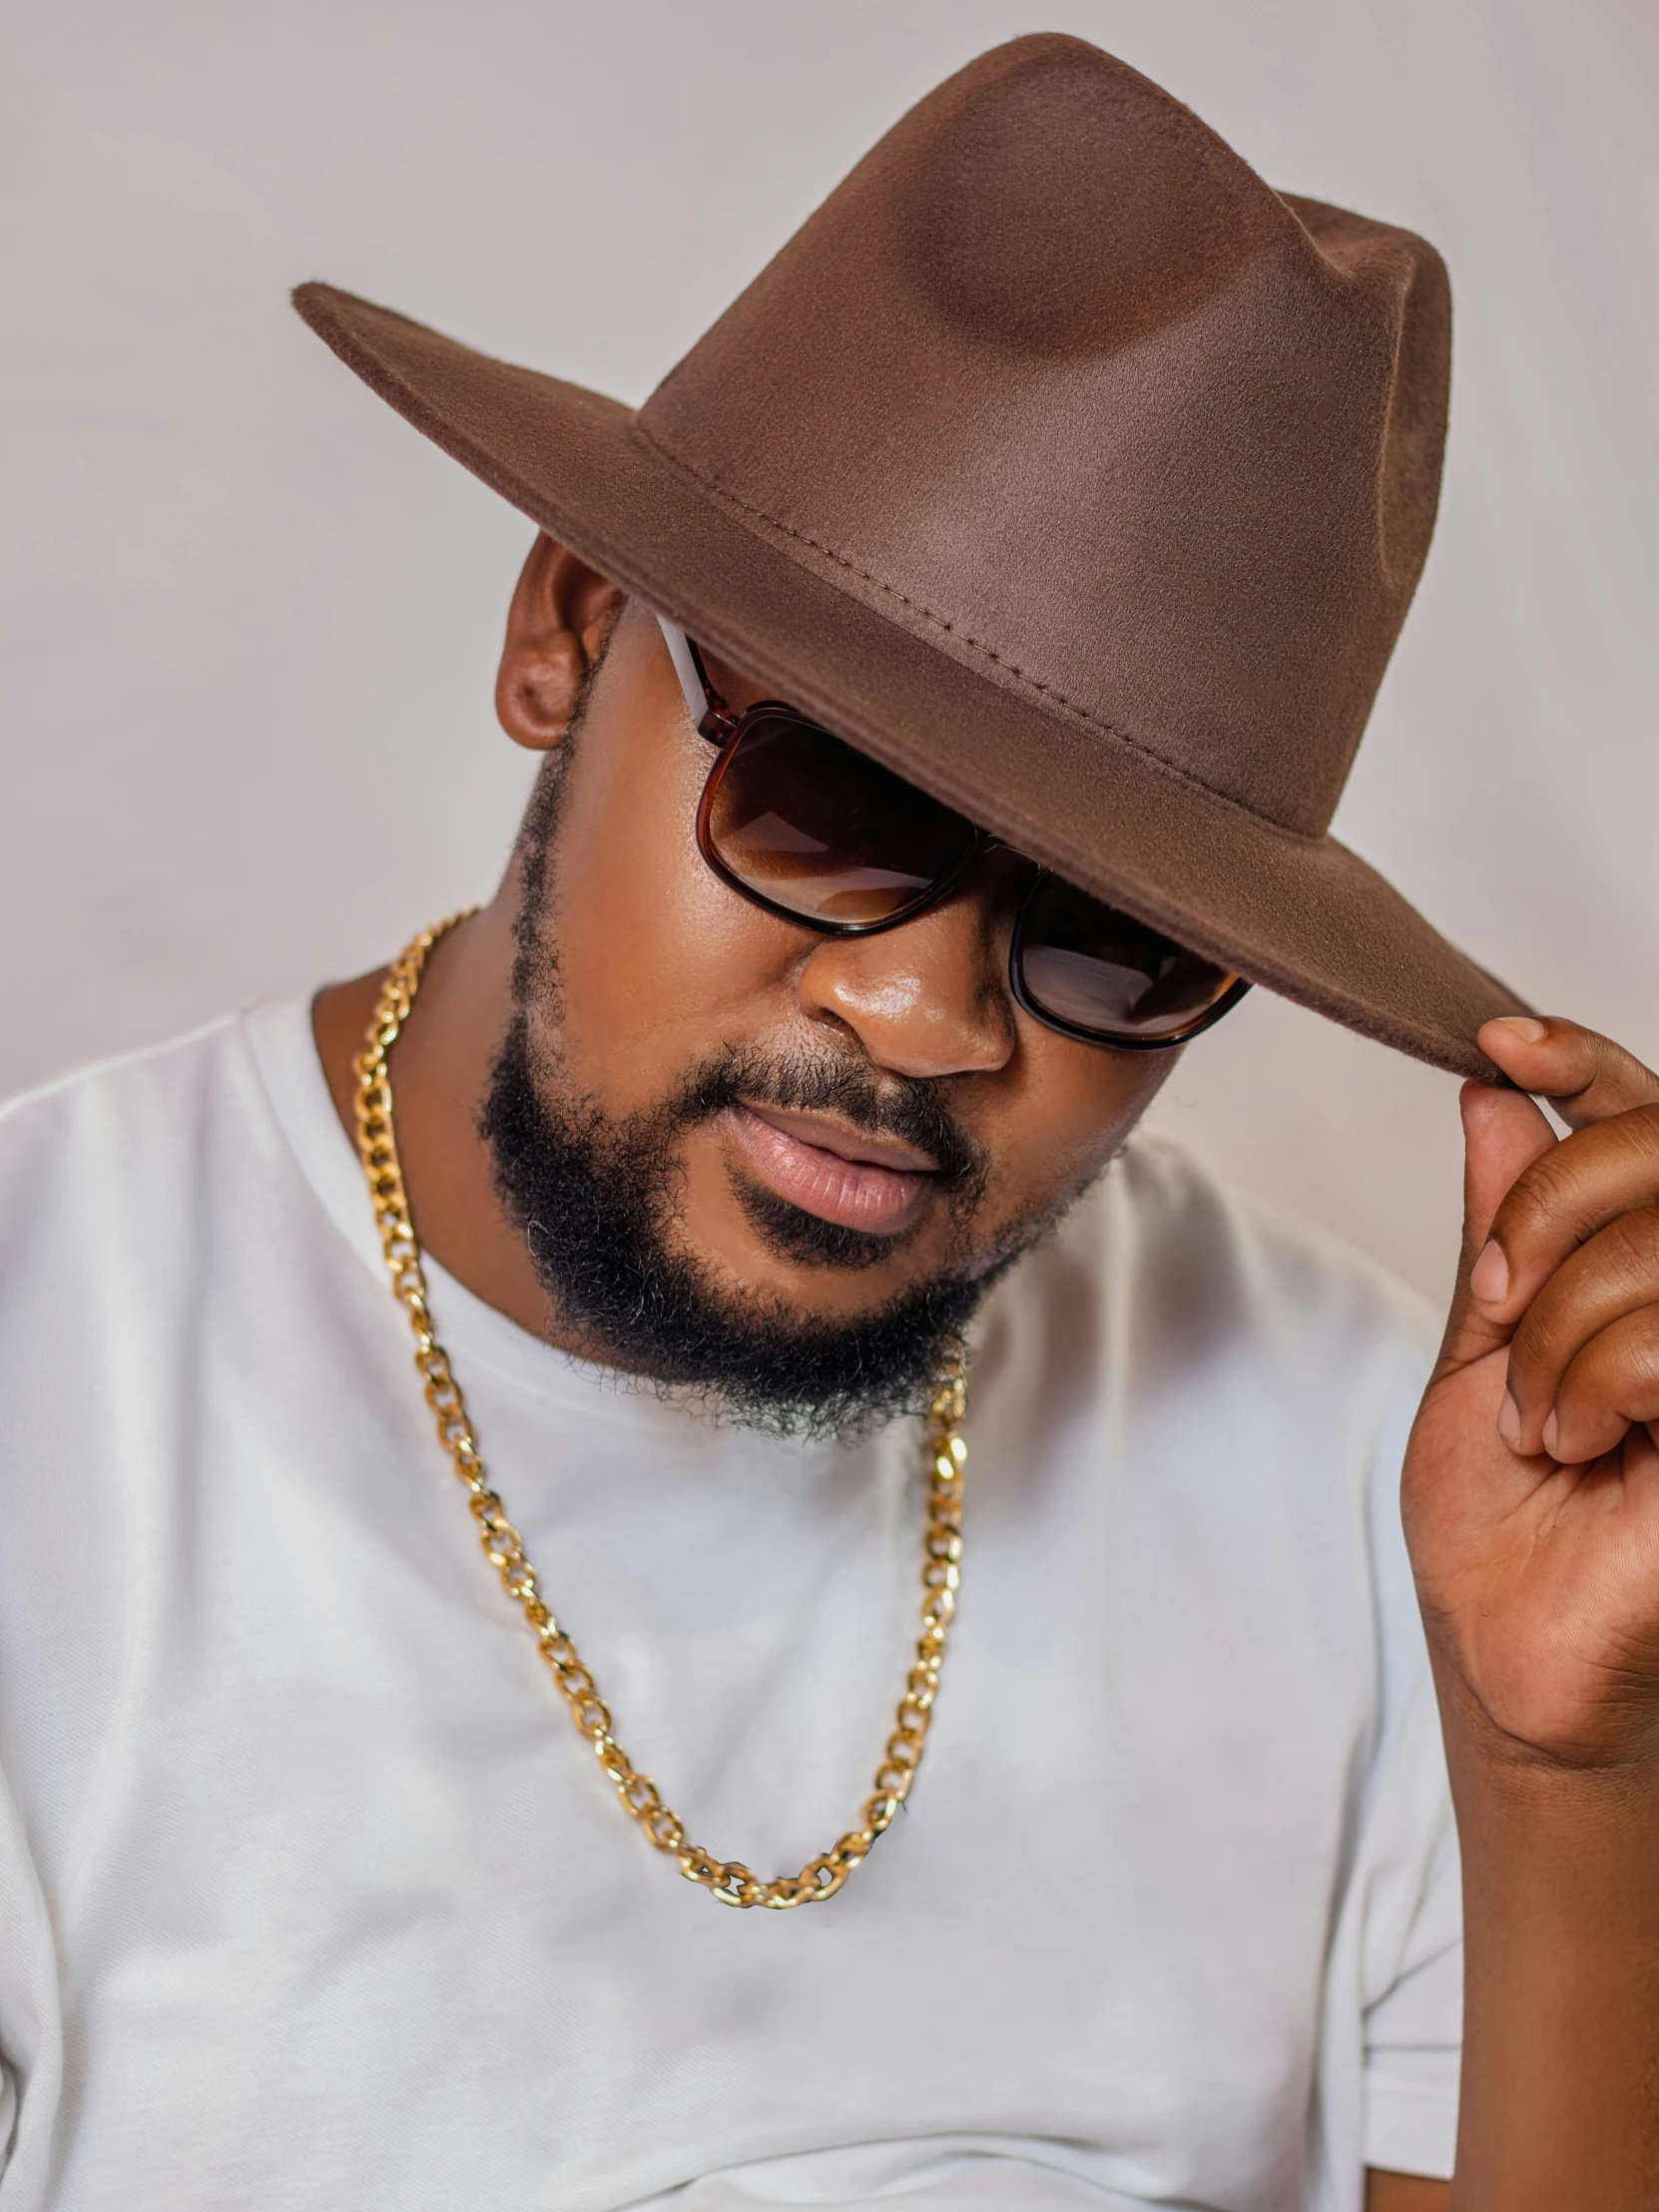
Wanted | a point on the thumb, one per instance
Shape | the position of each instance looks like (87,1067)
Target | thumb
(1503,1133)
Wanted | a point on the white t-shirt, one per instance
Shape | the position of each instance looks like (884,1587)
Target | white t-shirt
(311,1897)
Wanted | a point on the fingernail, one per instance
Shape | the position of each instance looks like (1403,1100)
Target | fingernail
(1489,1275)
(1524,1027)
(1508,1421)
(1553,1436)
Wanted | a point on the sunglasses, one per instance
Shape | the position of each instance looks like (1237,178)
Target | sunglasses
(806,827)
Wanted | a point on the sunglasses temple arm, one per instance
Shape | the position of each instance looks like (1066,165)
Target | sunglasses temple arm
(686,668)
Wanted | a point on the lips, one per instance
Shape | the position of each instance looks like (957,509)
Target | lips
(841,1175)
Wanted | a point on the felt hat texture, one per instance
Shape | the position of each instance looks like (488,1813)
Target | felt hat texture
(1060,464)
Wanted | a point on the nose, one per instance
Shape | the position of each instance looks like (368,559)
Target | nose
(929,998)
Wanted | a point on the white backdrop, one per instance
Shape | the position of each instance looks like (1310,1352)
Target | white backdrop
(249,618)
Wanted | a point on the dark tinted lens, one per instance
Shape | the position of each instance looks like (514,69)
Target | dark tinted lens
(1098,970)
(824,830)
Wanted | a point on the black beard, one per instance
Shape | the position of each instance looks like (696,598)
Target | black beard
(596,1202)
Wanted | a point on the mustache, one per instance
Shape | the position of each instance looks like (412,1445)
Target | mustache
(912,1108)
(595,1202)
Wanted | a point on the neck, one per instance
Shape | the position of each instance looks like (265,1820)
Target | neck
(439,1070)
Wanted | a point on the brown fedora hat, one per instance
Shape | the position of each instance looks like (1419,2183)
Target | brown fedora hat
(1061,464)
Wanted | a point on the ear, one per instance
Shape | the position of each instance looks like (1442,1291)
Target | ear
(561,614)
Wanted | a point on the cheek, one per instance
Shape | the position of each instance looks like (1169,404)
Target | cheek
(658,962)
(1070,1110)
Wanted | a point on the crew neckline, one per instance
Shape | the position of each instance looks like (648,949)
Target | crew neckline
(284,1047)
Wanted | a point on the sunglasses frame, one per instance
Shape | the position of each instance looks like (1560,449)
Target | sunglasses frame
(716,723)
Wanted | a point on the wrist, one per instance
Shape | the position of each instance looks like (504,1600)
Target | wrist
(1598,1768)
(1561,1971)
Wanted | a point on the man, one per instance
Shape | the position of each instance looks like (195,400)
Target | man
(946,681)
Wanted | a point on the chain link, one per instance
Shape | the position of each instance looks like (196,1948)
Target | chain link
(727,1880)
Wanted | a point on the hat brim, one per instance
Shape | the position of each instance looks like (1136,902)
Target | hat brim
(1305,916)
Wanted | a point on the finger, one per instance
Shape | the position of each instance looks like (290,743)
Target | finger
(1615,1273)
(1613,1382)
(1503,1134)
(1560,1202)
(1584,1076)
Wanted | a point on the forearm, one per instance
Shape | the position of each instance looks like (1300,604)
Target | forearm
(1560,2091)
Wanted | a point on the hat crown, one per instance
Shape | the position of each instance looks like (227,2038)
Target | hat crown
(1057,381)
(1042,212)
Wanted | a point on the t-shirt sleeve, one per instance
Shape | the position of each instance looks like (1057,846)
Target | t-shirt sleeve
(1407,1888)
(1412,2023)
(31,2037)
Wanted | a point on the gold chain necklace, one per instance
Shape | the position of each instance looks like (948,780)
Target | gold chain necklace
(727,1880)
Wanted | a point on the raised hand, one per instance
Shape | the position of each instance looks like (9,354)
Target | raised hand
(1533,1479)
(1532,1514)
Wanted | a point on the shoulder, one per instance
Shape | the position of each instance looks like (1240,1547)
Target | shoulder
(1262,1268)
(152,1083)
(131,1147)
(1222,1397)
(1210,1265)
(1193,1302)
